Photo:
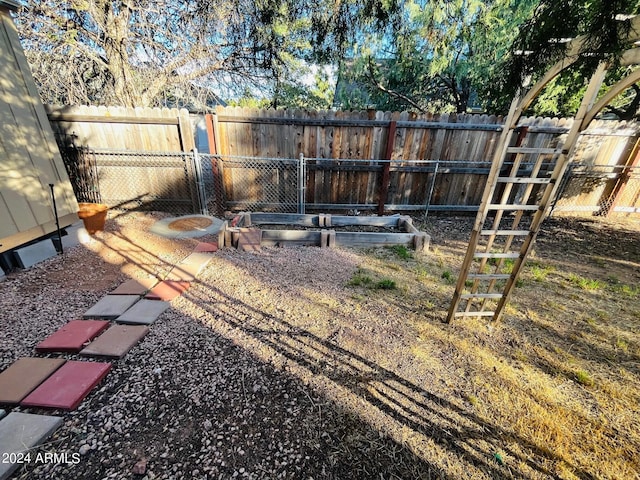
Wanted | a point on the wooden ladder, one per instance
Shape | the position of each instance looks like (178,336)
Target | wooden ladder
(522,180)
(503,234)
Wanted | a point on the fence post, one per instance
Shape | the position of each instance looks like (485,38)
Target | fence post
(202,196)
(384,186)
(301,184)
(433,184)
(625,174)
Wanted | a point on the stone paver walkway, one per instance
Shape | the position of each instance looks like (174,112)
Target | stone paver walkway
(24,375)
(73,336)
(144,312)
(135,286)
(67,386)
(20,432)
(116,341)
(111,306)
(61,384)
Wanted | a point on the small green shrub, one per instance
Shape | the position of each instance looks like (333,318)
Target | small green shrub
(448,276)
(401,251)
(585,283)
(386,284)
(583,378)
(539,272)
(359,279)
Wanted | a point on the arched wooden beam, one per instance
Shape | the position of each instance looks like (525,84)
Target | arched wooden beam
(617,89)
(573,54)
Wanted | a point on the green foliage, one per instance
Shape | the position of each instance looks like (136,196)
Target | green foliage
(584,283)
(448,277)
(152,52)
(539,272)
(541,38)
(438,56)
(401,251)
(386,284)
(359,279)
(441,57)
(583,378)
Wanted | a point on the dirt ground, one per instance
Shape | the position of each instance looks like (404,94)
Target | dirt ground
(336,364)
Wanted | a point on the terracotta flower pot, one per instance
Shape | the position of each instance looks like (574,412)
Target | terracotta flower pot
(93,215)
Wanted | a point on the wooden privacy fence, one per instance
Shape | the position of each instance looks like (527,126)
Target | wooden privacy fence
(401,161)
(119,128)
(355,160)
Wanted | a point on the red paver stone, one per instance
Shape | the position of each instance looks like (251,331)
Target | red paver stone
(68,386)
(135,286)
(116,341)
(24,375)
(73,336)
(167,290)
(206,247)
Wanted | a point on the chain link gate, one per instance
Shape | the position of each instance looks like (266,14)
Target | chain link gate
(238,183)
(136,180)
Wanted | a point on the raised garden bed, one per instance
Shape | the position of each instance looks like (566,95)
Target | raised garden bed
(325,230)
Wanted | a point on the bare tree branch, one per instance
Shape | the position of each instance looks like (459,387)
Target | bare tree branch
(382,88)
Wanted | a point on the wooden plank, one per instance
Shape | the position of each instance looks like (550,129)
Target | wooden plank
(484,313)
(296,237)
(468,296)
(405,224)
(496,255)
(338,122)
(488,276)
(347,220)
(534,151)
(498,206)
(384,182)
(364,239)
(58,115)
(285,219)
(505,232)
(185,131)
(541,181)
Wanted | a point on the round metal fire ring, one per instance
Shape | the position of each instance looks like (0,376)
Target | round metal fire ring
(188,226)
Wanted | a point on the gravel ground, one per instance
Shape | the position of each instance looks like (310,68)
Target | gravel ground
(208,393)
(293,363)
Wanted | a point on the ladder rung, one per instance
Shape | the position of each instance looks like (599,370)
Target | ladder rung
(523,180)
(489,276)
(505,232)
(498,206)
(533,150)
(496,255)
(467,296)
(474,314)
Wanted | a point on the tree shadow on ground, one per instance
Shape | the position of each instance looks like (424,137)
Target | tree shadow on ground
(385,395)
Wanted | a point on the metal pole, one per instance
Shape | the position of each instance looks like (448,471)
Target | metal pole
(433,184)
(301,182)
(202,197)
(55,212)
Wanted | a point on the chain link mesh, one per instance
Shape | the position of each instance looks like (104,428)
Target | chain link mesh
(251,183)
(183,183)
(135,180)
(599,190)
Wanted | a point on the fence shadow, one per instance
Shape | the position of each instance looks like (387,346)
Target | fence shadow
(385,394)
